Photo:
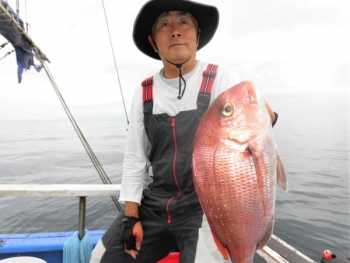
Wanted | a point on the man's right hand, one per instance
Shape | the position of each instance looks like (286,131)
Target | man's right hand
(132,238)
(131,235)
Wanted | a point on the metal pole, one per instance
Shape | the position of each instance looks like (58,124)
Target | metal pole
(23,33)
(82,205)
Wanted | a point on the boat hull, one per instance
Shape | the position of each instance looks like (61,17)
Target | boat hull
(49,246)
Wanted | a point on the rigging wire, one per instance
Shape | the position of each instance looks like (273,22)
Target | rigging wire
(3,45)
(25,10)
(6,54)
(86,145)
(17,6)
(115,63)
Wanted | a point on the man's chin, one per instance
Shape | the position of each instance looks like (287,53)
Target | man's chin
(178,58)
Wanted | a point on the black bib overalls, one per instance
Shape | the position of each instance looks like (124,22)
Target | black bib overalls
(170,212)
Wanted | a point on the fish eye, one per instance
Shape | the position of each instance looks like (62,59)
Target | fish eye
(228,109)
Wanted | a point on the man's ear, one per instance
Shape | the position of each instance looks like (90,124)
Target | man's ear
(198,36)
(151,41)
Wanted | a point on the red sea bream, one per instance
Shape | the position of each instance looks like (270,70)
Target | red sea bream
(236,167)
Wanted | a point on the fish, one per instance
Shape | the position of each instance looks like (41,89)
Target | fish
(236,167)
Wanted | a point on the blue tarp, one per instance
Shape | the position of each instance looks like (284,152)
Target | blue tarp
(23,49)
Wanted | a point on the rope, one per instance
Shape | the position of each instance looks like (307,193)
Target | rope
(21,40)
(8,32)
(86,145)
(115,63)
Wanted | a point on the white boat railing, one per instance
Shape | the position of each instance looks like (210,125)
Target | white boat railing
(77,190)
(276,251)
(59,189)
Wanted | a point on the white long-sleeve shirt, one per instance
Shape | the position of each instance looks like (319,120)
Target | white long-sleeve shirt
(165,93)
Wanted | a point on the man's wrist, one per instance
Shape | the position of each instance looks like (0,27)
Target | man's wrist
(131,209)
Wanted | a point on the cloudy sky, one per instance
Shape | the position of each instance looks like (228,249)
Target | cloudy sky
(285,47)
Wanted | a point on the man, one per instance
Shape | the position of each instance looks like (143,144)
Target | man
(166,111)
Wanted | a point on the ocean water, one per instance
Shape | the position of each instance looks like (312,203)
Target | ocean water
(312,134)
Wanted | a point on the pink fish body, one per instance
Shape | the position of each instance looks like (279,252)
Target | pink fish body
(236,167)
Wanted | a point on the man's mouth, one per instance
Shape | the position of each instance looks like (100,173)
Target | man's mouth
(176,44)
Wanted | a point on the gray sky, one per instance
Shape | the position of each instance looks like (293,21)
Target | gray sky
(285,47)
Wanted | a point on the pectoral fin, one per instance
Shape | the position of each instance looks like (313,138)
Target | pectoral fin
(258,158)
(282,180)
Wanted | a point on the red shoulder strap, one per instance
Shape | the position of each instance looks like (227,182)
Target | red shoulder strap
(204,94)
(147,94)
(208,79)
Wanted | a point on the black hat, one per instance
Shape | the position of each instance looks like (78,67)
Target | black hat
(207,17)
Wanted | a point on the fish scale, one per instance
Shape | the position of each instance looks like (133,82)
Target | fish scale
(235,166)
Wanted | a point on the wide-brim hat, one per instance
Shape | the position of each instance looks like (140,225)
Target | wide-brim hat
(207,17)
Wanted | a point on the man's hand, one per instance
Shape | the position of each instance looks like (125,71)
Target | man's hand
(271,113)
(131,235)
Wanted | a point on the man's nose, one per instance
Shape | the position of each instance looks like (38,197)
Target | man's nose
(176,32)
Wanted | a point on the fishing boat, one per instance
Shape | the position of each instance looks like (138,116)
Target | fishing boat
(50,247)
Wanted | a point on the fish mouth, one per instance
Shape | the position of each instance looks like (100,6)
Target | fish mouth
(236,144)
(236,141)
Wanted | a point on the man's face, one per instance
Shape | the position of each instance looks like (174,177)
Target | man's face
(175,36)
